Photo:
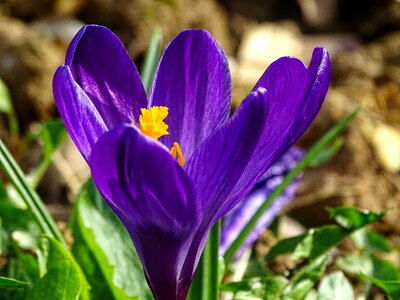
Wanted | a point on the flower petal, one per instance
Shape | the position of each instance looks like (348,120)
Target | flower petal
(237,219)
(296,95)
(154,198)
(102,67)
(193,81)
(81,118)
(218,164)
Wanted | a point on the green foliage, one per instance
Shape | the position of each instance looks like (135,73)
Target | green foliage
(268,288)
(317,241)
(335,286)
(304,279)
(370,265)
(110,245)
(391,287)
(151,60)
(62,278)
(371,241)
(10,283)
(52,133)
(6,107)
(28,195)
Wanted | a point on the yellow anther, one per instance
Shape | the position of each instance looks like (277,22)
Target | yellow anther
(177,151)
(152,123)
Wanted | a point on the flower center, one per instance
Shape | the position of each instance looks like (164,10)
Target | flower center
(151,123)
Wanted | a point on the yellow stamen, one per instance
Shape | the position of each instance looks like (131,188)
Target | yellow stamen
(177,151)
(152,123)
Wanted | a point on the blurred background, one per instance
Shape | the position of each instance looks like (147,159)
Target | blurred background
(362,36)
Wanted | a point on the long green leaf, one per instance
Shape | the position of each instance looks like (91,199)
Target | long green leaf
(151,60)
(30,197)
(319,146)
(110,244)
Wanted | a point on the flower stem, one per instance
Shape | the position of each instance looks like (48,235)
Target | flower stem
(205,285)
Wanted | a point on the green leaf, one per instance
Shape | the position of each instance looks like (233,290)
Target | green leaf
(312,295)
(110,244)
(85,258)
(328,152)
(6,107)
(10,283)
(52,133)
(354,218)
(314,270)
(298,290)
(335,286)
(265,288)
(317,241)
(151,60)
(325,140)
(303,280)
(29,196)
(19,225)
(369,265)
(391,287)
(63,278)
(371,241)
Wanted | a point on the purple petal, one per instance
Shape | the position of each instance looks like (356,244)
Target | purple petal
(154,198)
(102,67)
(218,164)
(193,81)
(221,172)
(81,118)
(296,95)
(237,219)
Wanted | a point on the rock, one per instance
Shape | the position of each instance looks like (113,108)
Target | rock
(261,45)
(385,141)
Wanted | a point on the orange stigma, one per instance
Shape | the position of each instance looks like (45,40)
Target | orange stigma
(177,151)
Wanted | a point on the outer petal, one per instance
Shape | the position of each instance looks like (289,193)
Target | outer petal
(193,81)
(219,163)
(81,118)
(102,67)
(236,220)
(296,96)
(153,197)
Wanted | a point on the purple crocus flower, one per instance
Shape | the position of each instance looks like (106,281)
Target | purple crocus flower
(169,182)
(236,219)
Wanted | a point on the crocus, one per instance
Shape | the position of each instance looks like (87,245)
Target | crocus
(237,218)
(171,165)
